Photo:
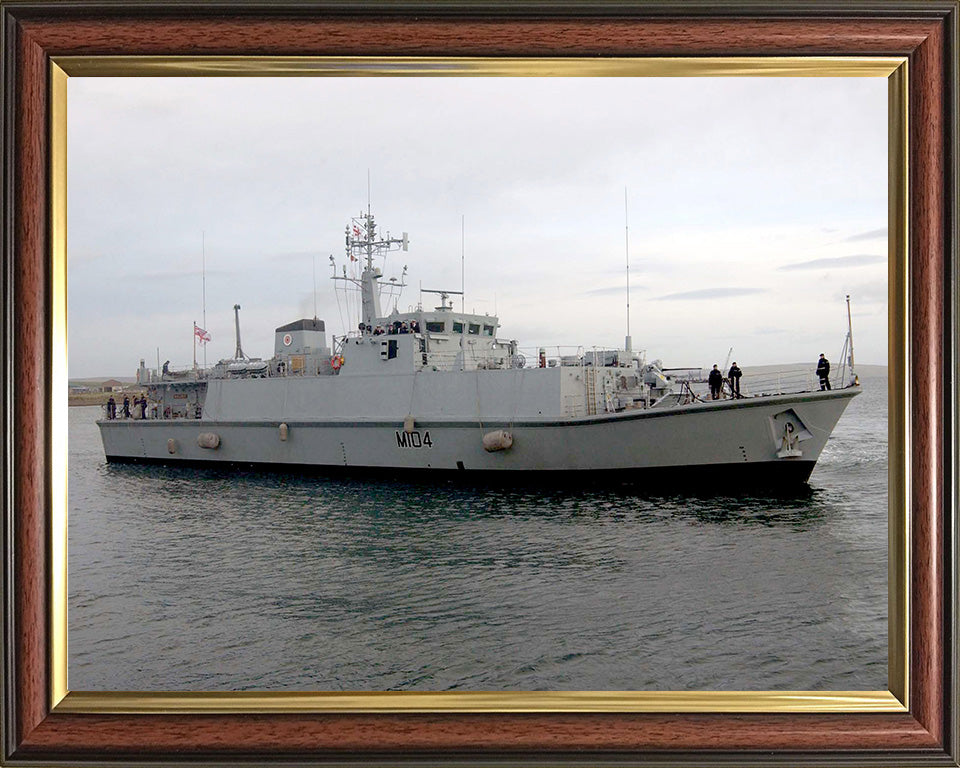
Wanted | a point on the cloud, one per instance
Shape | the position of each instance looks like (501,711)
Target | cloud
(321,256)
(837,261)
(191,274)
(612,290)
(873,234)
(710,293)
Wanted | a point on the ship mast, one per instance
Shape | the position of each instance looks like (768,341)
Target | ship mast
(363,243)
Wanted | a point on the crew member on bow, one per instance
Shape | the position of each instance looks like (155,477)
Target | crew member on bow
(715,380)
(823,371)
(734,376)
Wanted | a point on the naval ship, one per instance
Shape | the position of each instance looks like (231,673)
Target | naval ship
(439,392)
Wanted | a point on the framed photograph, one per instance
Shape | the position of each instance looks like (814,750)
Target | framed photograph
(116,99)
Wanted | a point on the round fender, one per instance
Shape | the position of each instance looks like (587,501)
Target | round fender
(208,440)
(498,440)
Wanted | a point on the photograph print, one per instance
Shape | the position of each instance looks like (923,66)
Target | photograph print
(478,384)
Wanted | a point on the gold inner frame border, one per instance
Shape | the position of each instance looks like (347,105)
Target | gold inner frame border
(895,699)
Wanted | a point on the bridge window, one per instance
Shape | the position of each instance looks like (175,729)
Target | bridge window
(488,330)
(474,329)
(457,327)
(435,326)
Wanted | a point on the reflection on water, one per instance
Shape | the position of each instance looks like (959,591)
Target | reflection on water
(203,579)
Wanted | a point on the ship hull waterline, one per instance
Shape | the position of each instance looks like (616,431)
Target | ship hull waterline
(737,442)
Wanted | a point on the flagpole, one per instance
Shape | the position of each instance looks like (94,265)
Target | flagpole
(194,345)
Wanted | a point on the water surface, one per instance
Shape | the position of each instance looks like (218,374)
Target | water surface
(184,579)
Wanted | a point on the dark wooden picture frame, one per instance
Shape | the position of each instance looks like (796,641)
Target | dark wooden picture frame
(925,33)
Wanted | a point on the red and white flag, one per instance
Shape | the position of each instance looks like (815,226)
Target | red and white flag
(356,231)
(200,333)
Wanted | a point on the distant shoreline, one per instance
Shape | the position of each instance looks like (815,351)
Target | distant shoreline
(100,398)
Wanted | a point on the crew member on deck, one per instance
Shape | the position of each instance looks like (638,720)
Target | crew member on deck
(734,376)
(111,408)
(126,406)
(715,380)
(823,371)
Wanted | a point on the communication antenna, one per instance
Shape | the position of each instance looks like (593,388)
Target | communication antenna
(628,343)
(462,252)
(314,286)
(203,286)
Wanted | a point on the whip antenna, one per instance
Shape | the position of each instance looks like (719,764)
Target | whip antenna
(203,286)
(628,344)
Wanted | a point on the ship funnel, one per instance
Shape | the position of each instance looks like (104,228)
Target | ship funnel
(238,355)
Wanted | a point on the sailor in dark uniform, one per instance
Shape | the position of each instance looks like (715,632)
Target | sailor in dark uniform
(823,371)
(734,376)
(715,380)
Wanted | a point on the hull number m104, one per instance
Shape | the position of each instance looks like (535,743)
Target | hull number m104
(414,440)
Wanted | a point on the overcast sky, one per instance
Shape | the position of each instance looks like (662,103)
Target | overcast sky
(755,205)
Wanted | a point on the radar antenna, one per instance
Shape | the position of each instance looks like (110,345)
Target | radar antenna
(444,295)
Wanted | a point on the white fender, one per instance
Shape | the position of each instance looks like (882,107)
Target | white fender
(499,440)
(408,424)
(171,446)
(283,432)
(208,440)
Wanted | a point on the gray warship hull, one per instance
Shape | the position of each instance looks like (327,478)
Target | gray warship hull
(712,441)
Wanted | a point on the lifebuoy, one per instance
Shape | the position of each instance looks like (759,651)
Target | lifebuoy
(335,362)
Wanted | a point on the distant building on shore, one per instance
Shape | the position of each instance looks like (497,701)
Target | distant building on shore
(111,385)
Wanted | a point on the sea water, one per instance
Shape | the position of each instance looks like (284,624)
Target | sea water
(201,580)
